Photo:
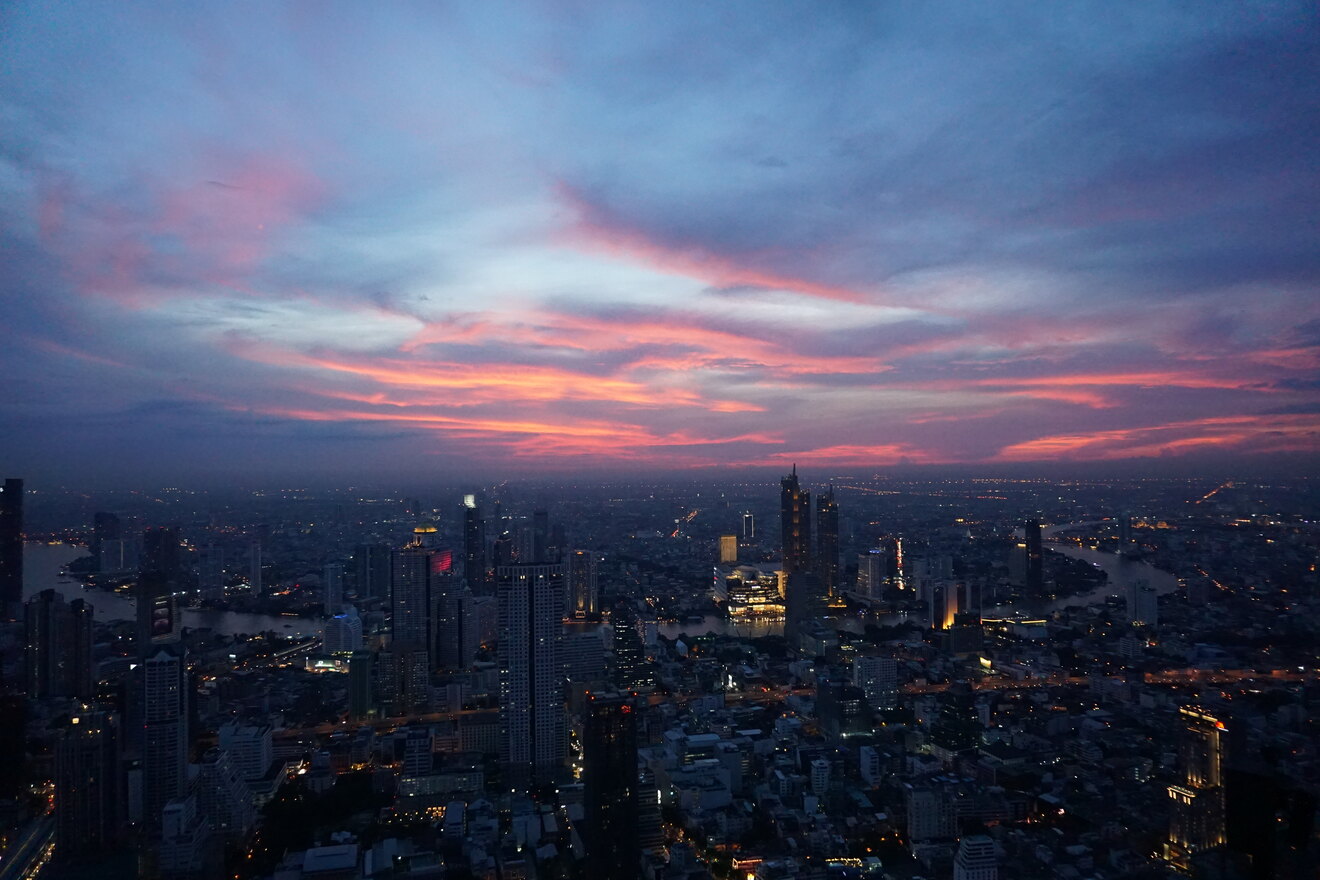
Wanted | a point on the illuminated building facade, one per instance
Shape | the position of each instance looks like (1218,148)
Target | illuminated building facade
(795,524)
(583,588)
(1196,805)
(728,549)
(533,736)
(749,592)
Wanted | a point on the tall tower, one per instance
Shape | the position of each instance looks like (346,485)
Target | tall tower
(412,638)
(609,780)
(749,526)
(11,548)
(371,567)
(474,546)
(332,580)
(795,524)
(583,594)
(533,737)
(164,729)
(88,788)
(1196,807)
(827,541)
(59,646)
(158,576)
(1035,559)
(105,528)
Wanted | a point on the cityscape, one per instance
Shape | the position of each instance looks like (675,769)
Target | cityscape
(569,440)
(828,676)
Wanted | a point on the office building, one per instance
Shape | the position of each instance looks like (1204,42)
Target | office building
(728,549)
(533,736)
(158,581)
(583,589)
(1196,803)
(188,846)
(89,788)
(631,669)
(332,586)
(609,779)
(748,527)
(795,524)
(976,859)
(59,646)
(749,592)
(250,747)
(11,548)
(840,707)
(371,568)
(361,685)
(872,573)
(164,729)
(827,542)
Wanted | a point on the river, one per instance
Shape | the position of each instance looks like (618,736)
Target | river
(41,571)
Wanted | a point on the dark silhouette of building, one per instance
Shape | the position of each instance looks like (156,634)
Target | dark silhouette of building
(371,568)
(89,787)
(827,542)
(841,706)
(158,580)
(609,780)
(413,623)
(474,548)
(13,742)
(1035,574)
(795,524)
(630,667)
(105,527)
(11,548)
(59,646)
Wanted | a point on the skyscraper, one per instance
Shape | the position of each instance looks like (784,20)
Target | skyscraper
(1142,604)
(164,695)
(1035,559)
(1196,806)
(105,528)
(583,594)
(827,542)
(11,548)
(474,546)
(533,737)
(89,790)
(59,646)
(609,779)
(332,583)
(749,526)
(795,524)
(728,549)
(412,637)
(158,578)
(371,565)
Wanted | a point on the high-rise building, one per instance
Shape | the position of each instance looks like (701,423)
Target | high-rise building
(976,859)
(583,590)
(728,549)
(872,573)
(59,646)
(105,527)
(361,685)
(533,740)
(164,696)
(748,527)
(412,640)
(1196,805)
(630,667)
(1035,570)
(223,796)
(878,679)
(251,748)
(474,546)
(371,565)
(827,542)
(343,632)
(795,524)
(609,780)
(158,581)
(332,585)
(211,573)
(11,548)
(840,707)
(1142,604)
(89,788)
(805,600)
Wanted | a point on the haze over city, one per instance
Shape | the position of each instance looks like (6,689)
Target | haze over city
(353,242)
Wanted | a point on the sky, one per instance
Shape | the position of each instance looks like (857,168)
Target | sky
(477,238)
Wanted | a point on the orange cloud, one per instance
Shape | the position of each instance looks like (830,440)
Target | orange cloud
(1246,434)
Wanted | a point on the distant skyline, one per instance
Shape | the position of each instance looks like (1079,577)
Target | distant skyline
(348,243)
